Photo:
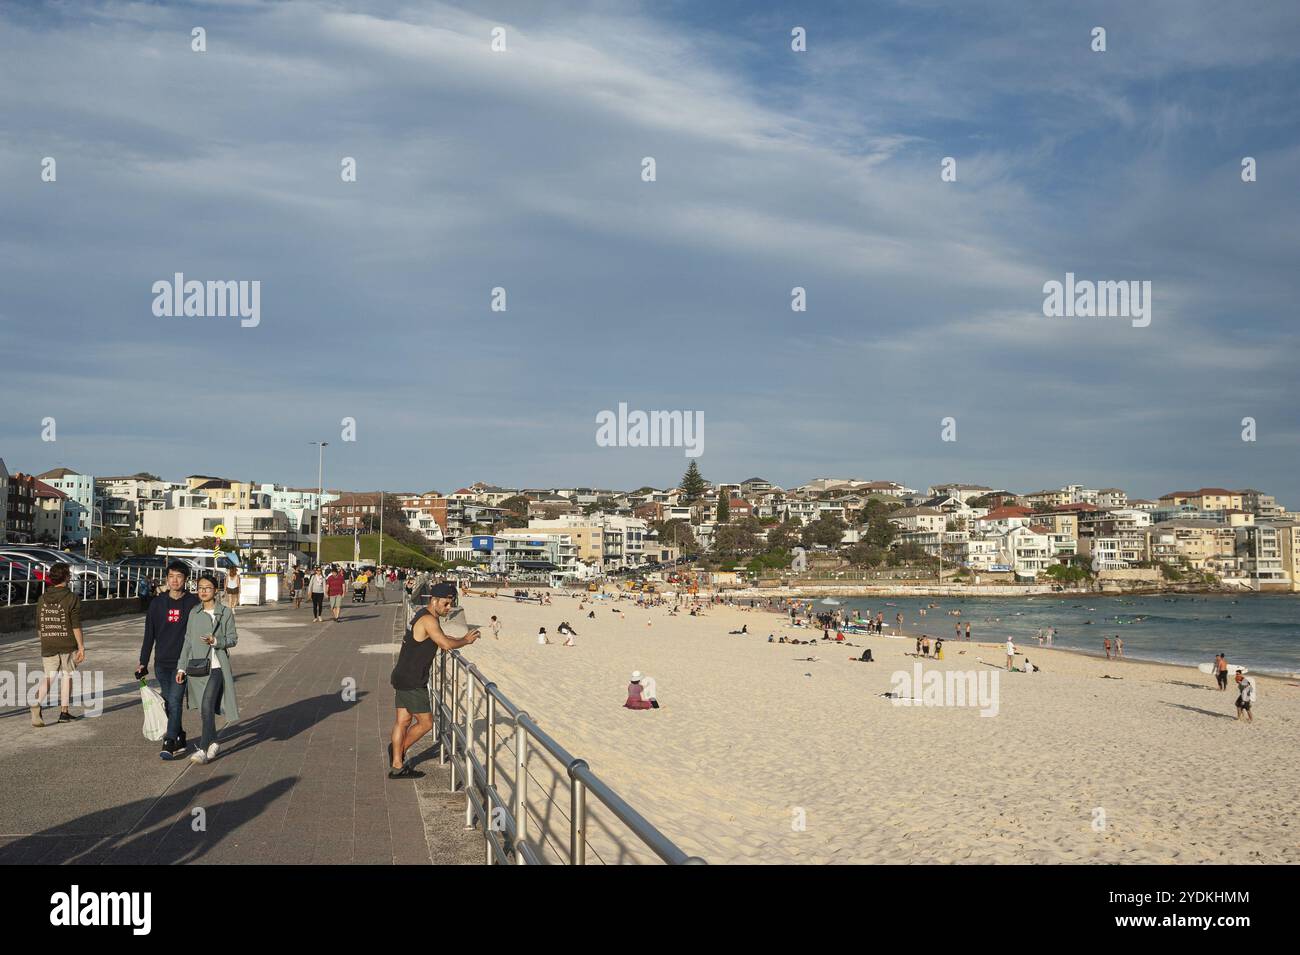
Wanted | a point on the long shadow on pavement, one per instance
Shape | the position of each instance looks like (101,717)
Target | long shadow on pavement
(164,832)
(285,722)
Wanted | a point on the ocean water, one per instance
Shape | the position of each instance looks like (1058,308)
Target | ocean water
(1261,632)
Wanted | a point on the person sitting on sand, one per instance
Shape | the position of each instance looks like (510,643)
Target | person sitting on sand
(866,656)
(636,699)
(542,637)
(592,615)
(743,630)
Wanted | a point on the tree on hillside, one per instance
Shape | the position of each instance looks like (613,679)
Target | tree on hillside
(517,505)
(783,536)
(677,533)
(732,540)
(723,514)
(865,555)
(826,531)
(692,485)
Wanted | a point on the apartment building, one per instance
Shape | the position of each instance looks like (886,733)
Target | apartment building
(4,496)
(962,492)
(1259,555)
(1047,498)
(1027,552)
(122,501)
(79,502)
(49,514)
(352,511)
(919,519)
(19,505)
(1288,541)
(621,539)
(1109,497)
(1204,545)
(222,492)
(273,532)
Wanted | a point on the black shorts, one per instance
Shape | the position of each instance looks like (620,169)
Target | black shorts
(413,701)
(1243,704)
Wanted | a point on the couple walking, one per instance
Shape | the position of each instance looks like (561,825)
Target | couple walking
(189,637)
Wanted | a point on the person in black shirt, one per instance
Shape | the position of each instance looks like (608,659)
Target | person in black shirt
(410,677)
(164,632)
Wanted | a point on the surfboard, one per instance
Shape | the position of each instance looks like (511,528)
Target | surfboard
(1232,668)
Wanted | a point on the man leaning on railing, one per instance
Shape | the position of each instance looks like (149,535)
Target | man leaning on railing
(410,677)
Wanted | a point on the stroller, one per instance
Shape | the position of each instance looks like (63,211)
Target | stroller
(358,593)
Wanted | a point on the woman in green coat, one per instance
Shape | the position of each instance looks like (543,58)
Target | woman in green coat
(209,634)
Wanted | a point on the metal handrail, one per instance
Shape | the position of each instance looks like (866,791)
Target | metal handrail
(485,805)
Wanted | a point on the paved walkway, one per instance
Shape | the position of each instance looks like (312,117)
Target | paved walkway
(300,778)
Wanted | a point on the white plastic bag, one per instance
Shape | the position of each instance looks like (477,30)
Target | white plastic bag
(155,713)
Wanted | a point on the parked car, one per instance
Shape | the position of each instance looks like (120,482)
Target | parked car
(85,581)
(20,582)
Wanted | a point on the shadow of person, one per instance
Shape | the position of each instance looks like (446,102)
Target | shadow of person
(1197,709)
(284,722)
(165,830)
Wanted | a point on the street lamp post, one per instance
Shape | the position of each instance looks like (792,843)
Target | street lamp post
(320,499)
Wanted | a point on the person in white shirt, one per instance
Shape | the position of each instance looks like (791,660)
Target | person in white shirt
(1245,695)
(316,587)
(1011,654)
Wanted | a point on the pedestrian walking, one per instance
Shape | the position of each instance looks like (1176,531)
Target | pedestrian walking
(232,588)
(164,635)
(63,645)
(204,667)
(144,591)
(316,586)
(334,586)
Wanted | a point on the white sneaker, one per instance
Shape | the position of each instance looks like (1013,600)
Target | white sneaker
(212,751)
(198,756)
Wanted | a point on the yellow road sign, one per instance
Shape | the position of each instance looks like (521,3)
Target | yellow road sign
(219,531)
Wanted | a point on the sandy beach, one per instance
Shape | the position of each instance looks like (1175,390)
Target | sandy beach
(758,755)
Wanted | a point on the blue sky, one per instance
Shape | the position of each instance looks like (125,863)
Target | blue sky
(775,169)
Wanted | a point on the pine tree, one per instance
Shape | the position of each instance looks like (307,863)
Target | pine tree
(724,509)
(692,485)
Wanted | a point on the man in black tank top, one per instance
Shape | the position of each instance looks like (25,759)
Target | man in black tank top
(410,678)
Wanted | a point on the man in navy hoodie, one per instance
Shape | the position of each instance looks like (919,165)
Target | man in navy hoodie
(164,632)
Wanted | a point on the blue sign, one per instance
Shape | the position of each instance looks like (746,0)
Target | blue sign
(481,543)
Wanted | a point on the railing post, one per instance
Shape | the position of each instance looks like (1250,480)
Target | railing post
(491,761)
(577,815)
(491,734)
(521,787)
(455,716)
(442,718)
(469,749)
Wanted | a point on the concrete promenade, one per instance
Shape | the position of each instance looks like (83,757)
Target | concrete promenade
(300,777)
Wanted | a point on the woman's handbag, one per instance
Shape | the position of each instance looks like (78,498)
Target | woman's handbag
(200,666)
